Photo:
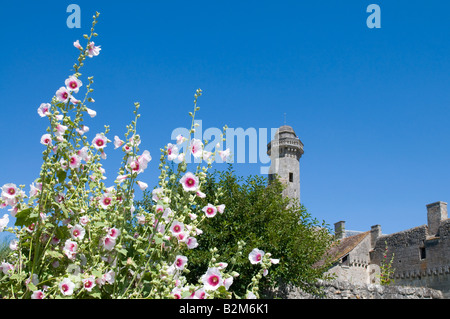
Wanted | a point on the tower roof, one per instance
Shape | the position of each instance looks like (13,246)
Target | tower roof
(285,137)
(286,130)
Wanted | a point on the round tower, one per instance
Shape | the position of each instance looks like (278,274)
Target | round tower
(285,151)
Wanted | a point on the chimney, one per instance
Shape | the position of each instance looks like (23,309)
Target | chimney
(339,230)
(375,232)
(436,212)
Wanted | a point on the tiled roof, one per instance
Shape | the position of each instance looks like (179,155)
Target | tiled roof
(342,247)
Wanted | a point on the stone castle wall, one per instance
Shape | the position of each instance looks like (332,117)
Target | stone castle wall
(344,290)
(419,259)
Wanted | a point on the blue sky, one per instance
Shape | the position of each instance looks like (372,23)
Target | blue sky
(370,105)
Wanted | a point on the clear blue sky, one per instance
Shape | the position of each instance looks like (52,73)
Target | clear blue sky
(370,105)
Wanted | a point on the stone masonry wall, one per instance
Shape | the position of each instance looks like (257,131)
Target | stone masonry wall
(344,290)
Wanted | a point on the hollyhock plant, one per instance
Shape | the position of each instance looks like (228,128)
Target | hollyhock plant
(88,240)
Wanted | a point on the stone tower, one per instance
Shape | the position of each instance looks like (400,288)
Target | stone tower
(285,151)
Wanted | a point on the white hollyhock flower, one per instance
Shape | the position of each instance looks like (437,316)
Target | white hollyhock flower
(189,182)
(4,222)
(73,84)
(99,141)
(172,152)
(44,109)
(256,256)
(210,210)
(212,280)
(196,148)
(62,94)
(77,232)
(66,287)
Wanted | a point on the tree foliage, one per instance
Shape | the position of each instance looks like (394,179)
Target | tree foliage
(257,213)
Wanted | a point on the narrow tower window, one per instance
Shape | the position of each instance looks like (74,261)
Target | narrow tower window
(291,177)
(423,253)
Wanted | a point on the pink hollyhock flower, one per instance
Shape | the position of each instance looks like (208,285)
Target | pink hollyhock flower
(212,279)
(109,243)
(191,242)
(256,256)
(93,50)
(210,210)
(189,182)
(91,112)
(141,219)
(224,154)
(127,148)
(84,220)
(200,194)
(37,294)
(60,130)
(106,200)
(206,155)
(139,164)
(70,249)
(82,130)
(4,222)
(44,109)
(9,191)
(6,268)
(14,244)
(117,142)
(77,45)
(66,287)
(114,232)
(177,227)
(46,139)
(77,232)
(135,140)
(89,283)
(73,84)
(180,262)
(63,95)
(74,161)
(228,282)
(250,295)
(109,277)
(200,293)
(172,152)
(196,147)
(99,141)
(157,194)
(180,139)
(181,157)
(35,189)
(142,185)
(221,208)
(274,261)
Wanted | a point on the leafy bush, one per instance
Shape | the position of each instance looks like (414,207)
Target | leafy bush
(257,213)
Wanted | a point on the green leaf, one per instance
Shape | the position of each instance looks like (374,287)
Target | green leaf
(61,176)
(24,218)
